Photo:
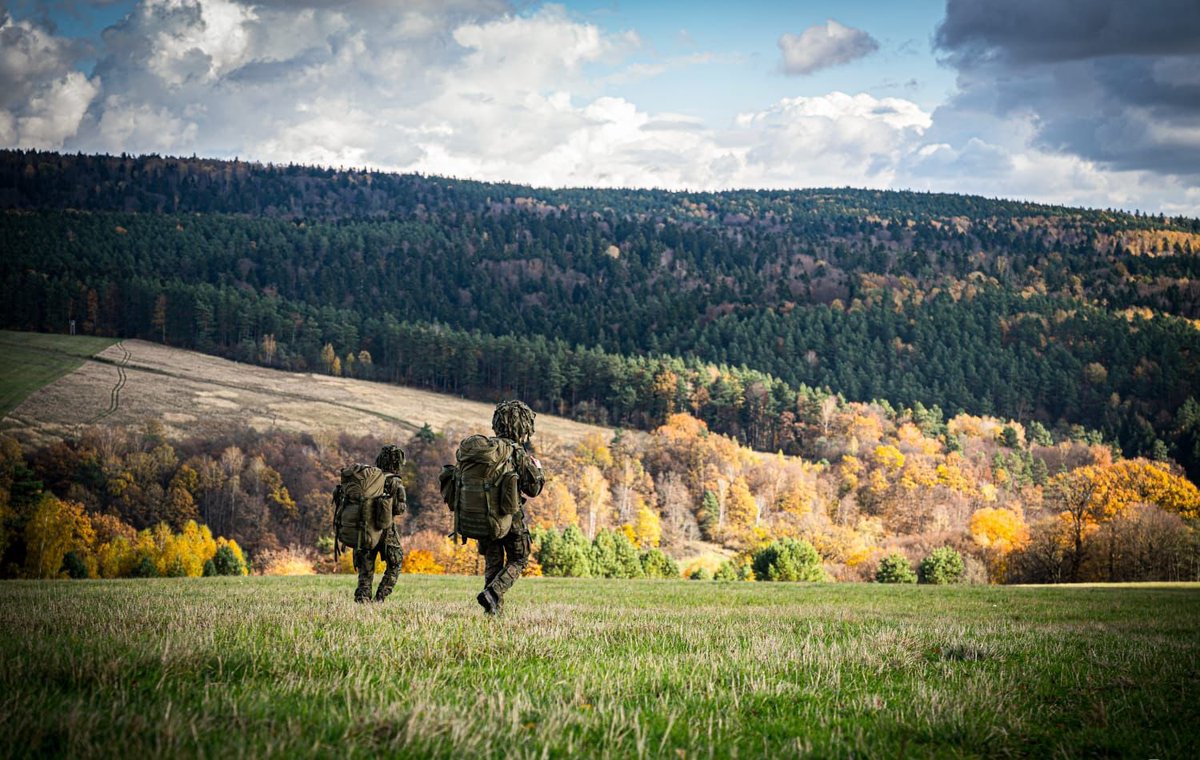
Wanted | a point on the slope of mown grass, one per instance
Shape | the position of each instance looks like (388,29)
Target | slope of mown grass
(290,666)
(32,360)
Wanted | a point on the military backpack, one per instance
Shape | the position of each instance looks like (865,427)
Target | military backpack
(361,508)
(481,488)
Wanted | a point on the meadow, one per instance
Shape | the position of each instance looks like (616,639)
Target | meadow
(256,667)
(32,361)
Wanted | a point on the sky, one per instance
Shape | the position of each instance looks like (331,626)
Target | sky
(1082,102)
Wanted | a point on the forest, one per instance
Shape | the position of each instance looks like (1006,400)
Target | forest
(1005,502)
(623,307)
(878,375)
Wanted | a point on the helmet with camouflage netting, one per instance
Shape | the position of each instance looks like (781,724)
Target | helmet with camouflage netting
(513,420)
(391,458)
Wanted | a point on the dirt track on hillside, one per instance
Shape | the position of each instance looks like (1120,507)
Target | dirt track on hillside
(196,394)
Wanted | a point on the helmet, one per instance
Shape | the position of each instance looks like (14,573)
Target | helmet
(391,458)
(513,420)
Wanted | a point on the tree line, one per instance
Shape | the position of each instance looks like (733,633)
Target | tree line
(881,486)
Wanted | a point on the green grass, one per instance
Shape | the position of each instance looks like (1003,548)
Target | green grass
(290,666)
(33,360)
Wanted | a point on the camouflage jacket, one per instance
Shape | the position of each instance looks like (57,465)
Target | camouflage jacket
(530,479)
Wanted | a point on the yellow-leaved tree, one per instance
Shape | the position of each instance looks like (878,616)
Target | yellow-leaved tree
(55,528)
(1000,531)
(420,562)
(647,530)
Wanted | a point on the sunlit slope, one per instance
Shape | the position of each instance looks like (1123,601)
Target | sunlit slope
(132,382)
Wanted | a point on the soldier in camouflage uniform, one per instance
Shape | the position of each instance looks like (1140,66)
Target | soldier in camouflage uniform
(505,558)
(390,460)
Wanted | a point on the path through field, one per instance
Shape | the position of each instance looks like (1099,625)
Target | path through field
(134,381)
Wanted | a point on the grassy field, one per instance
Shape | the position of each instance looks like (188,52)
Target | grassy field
(290,666)
(32,360)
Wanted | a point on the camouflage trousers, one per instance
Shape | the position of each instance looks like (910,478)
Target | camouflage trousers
(503,561)
(364,561)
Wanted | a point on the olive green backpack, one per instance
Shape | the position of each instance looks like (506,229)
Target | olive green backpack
(360,514)
(481,488)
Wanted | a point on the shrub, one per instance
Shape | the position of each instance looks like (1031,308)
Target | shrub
(227,561)
(726,572)
(565,555)
(737,569)
(788,560)
(145,569)
(421,562)
(176,568)
(655,564)
(290,561)
(895,568)
(701,574)
(943,565)
(74,565)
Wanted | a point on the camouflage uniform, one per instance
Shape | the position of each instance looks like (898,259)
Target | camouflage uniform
(505,559)
(388,545)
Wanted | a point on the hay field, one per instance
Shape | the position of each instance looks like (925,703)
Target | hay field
(194,394)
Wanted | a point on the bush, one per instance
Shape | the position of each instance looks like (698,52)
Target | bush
(145,569)
(788,560)
(942,566)
(420,562)
(737,569)
(566,554)
(655,564)
(74,565)
(176,569)
(227,562)
(701,574)
(895,568)
(293,560)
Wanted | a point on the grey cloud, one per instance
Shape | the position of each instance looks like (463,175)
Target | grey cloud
(1111,81)
(1041,31)
(824,45)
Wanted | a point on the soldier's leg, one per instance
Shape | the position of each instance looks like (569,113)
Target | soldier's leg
(517,549)
(493,560)
(364,562)
(393,555)
(493,564)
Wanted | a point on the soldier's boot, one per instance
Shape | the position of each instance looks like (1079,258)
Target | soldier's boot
(393,556)
(362,594)
(488,601)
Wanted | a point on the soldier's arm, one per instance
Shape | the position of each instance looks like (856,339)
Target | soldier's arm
(395,488)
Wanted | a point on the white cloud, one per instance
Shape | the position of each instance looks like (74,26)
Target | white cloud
(42,97)
(835,139)
(822,46)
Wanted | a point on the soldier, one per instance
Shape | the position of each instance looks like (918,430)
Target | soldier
(390,460)
(505,558)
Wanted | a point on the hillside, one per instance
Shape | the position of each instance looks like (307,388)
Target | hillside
(620,307)
(195,395)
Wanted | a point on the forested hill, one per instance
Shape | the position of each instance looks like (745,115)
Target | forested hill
(621,306)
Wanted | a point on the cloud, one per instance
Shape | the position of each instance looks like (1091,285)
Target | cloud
(1109,81)
(822,46)
(42,96)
